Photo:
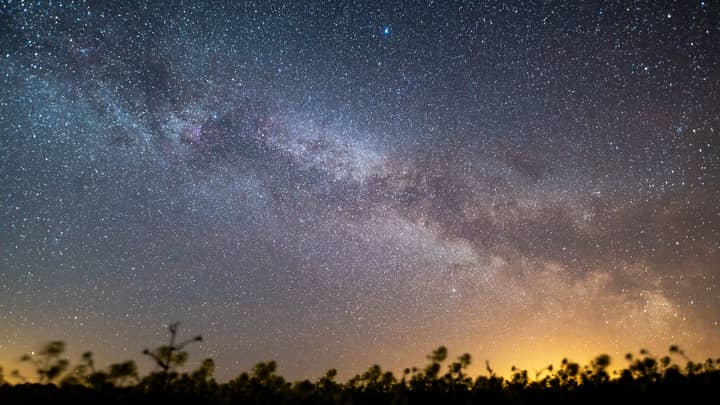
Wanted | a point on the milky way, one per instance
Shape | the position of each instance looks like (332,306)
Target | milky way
(338,184)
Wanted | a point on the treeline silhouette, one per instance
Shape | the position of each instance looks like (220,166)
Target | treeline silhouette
(645,379)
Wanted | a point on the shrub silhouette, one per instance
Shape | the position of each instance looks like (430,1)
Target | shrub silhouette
(48,362)
(645,379)
(167,358)
(171,355)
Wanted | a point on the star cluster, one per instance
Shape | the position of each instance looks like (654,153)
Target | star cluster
(337,184)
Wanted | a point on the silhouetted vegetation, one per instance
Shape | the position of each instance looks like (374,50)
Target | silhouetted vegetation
(644,379)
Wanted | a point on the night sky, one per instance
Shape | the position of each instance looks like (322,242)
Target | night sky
(337,184)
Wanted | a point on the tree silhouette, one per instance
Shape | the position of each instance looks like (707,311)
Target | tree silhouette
(456,375)
(48,363)
(83,372)
(436,358)
(205,371)
(123,373)
(599,366)
(170,356)
(646,379)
